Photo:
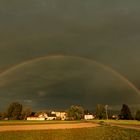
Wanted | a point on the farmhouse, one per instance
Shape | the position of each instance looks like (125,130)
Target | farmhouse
(52,116)
(60,115)
(40,117)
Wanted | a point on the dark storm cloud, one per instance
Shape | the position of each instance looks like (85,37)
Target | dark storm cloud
(107,31)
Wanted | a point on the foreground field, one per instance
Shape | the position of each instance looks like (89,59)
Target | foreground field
(96,133)
(70,130)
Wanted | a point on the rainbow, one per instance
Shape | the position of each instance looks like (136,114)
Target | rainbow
(103,66)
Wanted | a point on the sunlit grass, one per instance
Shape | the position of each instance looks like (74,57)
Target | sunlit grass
(133,122)
(25,122)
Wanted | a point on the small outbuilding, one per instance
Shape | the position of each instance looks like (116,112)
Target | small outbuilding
(89,117)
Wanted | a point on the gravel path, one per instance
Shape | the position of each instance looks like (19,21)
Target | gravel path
(46,126)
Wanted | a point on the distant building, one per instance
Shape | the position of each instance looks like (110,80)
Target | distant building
(35,119)
(53,116)
(43,115)
(115,117)
(40,117)
(61,115)
(88,117)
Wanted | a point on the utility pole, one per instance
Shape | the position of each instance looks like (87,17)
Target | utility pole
(106,107)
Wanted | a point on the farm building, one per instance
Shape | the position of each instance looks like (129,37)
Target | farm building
(35,119)
(89,117)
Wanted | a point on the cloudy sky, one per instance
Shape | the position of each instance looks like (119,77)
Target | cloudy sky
(55,53)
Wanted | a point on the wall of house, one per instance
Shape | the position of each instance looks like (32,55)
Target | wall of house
(35,118)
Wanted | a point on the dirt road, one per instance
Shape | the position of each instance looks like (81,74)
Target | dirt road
(46,126)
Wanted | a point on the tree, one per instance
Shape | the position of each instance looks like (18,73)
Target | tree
(14,111)
(100,111)
(86,111)
(26,113)
(3,115)
(76,112)
(125,113)
(137,116)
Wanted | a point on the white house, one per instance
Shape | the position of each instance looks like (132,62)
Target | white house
(53,116)
(61,115)
(88,117)
(40,117)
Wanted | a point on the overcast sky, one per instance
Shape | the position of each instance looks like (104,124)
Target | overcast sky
(105,31)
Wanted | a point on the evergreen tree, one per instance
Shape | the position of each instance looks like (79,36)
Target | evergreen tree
(137,116)
(100,111)
(26,112)
(125,113)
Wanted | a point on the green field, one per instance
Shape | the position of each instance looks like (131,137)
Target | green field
(22,122)
(25,122)
(125,122)
(98,133)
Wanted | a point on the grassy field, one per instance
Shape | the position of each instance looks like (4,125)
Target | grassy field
(98,133)
(25,122)
(125,122)
(104,132)
(22,122)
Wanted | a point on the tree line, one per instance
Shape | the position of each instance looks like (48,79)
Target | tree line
(15,111)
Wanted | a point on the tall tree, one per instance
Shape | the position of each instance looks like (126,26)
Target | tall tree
(125,113)
(100,111)
(76,112)
(26,113)
(14,111)
(137,116)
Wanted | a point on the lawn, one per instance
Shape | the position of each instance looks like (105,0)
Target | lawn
(98,133)
(125,122)
(25,122)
